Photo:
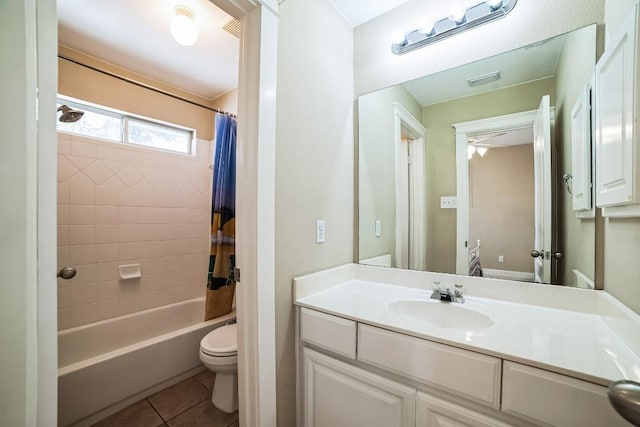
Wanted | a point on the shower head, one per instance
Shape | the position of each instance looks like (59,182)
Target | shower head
(69,115)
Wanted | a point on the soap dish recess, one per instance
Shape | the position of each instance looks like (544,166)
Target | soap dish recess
(130,271)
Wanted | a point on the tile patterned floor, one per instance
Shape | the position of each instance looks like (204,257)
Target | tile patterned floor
(187,403)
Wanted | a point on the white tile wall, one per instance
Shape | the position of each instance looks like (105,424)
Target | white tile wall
(119,204)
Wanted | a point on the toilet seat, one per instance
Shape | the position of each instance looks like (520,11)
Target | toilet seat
(221,342)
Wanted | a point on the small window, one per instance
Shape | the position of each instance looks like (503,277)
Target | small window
(111,125)
(141,132)
(93,123)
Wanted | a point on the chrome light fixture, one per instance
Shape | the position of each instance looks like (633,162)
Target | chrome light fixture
(458,21)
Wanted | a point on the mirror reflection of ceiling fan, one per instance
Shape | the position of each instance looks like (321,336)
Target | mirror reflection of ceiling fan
(479,140)
(481,143)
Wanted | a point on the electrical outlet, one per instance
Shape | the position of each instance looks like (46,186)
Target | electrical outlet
(320,231)
(378,228)
(448,202)
(500,258)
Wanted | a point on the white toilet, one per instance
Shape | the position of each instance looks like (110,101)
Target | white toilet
(219,352)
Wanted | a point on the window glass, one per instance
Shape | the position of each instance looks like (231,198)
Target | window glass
(95,125)
(104,123)
(155,135)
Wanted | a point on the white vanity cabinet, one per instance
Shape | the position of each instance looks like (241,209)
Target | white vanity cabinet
(432,411)
(337,394)
(547,398)
(616,111)
(354,374)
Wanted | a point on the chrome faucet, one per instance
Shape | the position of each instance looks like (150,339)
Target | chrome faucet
(445,294)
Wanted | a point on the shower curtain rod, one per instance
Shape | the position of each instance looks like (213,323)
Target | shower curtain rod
(145,86)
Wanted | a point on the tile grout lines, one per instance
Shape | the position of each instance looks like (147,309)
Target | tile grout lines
(165,421)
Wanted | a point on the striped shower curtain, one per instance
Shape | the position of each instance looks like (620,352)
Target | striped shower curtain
(220,280)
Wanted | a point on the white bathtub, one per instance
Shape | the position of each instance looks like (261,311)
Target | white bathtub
(105,366)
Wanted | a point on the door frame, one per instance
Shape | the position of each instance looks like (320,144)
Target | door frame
(403,119)
(463,131)
(255,206)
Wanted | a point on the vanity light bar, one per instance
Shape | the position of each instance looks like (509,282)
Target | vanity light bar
(474,16)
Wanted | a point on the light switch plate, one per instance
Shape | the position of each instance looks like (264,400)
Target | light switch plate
(320,231)
(378,228)
(448,202)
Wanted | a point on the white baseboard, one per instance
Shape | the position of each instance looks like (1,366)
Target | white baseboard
(522,276)
(378,261)
(582,281)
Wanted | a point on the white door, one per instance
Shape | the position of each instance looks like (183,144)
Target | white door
(542,193)
(336,394)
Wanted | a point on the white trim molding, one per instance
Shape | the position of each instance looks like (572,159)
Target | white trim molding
(520,276)
(255,217)
(463,131)
(403,119)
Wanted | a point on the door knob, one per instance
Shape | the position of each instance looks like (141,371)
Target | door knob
(537,254)
(557,255)
(625,398)
(67,273)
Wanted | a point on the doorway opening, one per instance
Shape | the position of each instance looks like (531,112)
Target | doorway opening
(475,139)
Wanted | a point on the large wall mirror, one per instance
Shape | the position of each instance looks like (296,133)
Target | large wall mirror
(469,171)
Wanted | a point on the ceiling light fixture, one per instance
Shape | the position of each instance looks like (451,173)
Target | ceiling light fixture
(183,26)
(460,20)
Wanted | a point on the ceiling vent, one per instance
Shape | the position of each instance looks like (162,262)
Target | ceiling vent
(484,79)
(232,26)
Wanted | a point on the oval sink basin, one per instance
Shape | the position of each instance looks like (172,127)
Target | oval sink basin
(441,314)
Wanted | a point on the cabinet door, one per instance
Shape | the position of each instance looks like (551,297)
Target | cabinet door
(550,399)
(336,394)
(615,116)
(435,412)
(581,151)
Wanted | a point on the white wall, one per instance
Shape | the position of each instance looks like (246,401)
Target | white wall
(614,13)
(576,237)
(531,21)
(314,163)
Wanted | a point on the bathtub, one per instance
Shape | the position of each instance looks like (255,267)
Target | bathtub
(105,366)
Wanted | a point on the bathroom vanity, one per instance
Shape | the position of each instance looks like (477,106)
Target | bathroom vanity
(375,350)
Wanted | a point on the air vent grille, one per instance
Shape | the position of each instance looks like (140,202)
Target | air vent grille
(232,26)
(484,79)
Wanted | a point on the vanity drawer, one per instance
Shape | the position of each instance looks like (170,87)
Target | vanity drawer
(464,373)
(546,398)
(329,332)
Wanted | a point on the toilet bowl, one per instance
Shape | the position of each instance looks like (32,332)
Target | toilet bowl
(219,353)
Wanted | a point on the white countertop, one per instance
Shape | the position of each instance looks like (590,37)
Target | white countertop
(579,343)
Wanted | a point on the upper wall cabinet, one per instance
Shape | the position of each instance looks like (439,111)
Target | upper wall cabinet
(581,152)
(616,110)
